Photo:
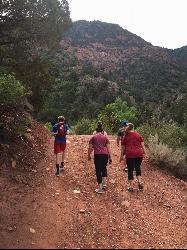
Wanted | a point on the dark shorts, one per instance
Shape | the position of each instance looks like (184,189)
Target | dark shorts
(59,147)
(134,164)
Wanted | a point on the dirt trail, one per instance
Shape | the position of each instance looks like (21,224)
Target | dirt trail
(154,218)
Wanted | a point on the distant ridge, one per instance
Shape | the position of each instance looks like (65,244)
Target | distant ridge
(103,53)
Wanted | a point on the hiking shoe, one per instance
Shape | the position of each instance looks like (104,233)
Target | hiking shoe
(57,171)
(61,168)
(125,170)
(130,189)
(104,185)
(140,185)
(99,191)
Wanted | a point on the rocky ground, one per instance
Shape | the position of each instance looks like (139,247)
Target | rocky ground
(40,210)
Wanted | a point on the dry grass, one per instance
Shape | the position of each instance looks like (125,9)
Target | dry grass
(165,157)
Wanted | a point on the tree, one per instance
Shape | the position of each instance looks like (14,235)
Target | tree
(28,29)
(115,112)
(36,22)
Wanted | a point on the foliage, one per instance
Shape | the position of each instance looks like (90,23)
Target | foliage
(19,125)
(170,134)
(48,126)
(39,23)
(150,78)
(12,91)
(85,98)
(85,127)
(114,113)
(13,125)
(29,29)
(163,156)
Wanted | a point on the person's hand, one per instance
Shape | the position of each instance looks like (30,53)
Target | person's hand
(89,158)
(121,158)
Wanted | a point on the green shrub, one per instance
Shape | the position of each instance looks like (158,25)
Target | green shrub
(114,113)
(19,125)
(165,157)
(48,126)
(85,127)
(11,90)
(170,134)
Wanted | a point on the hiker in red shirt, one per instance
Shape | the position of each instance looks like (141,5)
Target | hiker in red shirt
(60,130)
(133,148)
(100,144)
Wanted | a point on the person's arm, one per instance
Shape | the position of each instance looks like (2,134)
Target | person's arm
(67,129)
(118,140)
(143,146)
(90,149)
(119,136)
(54,130)
(109,153)
(122,152)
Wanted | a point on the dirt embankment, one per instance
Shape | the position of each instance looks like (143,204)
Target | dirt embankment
(39,210)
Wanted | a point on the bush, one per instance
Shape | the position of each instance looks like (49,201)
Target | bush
(114,113)
(48,126)
(85,127)
(11,90)
(19,126)
(163,156)
(168,133)
(14,126)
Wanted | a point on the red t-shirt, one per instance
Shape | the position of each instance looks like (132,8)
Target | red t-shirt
(132,143)
(99,143)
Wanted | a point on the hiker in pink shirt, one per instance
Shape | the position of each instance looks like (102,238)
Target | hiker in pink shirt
(99,143)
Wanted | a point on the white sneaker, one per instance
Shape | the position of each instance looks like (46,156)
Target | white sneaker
(99,191)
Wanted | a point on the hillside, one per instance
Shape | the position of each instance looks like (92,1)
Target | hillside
(96,53)
(47,212)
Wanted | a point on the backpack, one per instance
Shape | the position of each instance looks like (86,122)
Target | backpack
(61,130)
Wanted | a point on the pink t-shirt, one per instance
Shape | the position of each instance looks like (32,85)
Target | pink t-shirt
(99,143)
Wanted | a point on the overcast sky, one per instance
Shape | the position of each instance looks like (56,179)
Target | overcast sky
(160,22)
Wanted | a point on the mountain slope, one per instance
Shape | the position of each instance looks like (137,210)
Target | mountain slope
(151,75)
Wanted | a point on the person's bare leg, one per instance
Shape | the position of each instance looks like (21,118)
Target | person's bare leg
(139,179)
(99,189)
(57,159)
(130,183)
(63,155)
(57,164)
(63,158)
(104,182)
(140,183)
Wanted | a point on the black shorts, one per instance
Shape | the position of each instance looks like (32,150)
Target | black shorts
(134,163)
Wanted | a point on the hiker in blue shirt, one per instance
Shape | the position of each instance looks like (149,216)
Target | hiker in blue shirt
(60,130)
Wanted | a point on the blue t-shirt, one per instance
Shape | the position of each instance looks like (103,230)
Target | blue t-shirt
(57,137)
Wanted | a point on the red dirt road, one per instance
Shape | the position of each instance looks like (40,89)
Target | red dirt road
(48,214)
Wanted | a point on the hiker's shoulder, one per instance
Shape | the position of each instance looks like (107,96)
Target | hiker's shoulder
(55,126)
(121,131)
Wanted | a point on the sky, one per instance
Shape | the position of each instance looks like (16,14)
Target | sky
(161,22)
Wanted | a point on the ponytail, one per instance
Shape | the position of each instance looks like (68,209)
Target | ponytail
(129,127)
